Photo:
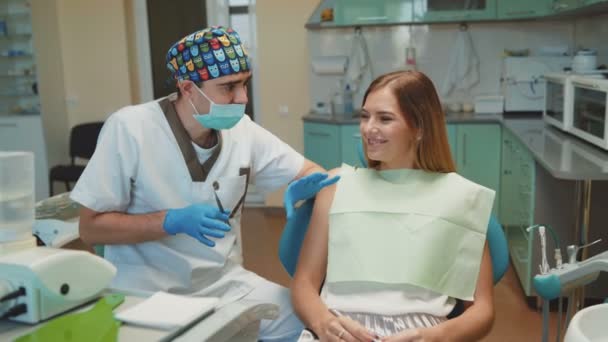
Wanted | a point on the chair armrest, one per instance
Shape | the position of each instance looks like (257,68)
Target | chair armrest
(227,322)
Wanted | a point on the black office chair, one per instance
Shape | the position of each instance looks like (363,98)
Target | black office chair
(83,139)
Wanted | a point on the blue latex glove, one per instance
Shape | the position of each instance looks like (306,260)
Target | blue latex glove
(200,221)
(305,188)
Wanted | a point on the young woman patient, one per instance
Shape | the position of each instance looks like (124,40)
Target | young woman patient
(391,247)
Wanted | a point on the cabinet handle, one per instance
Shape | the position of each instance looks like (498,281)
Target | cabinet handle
(357,135)
(521,12)
(376,18)
(455,17)
(8,125)
(318,134)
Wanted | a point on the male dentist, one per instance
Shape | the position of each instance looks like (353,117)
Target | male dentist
(165,188)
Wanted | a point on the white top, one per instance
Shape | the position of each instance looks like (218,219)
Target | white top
(379,299)
(138,168)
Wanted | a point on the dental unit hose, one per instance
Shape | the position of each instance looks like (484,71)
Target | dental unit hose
(557,253)
(12,295)
(544,266)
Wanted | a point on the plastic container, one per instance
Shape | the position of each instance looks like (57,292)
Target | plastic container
(489,104)
(16,196)
(337,105)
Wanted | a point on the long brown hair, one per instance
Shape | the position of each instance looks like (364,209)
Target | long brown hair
(420,106)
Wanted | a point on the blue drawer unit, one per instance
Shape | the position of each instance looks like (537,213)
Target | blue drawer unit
(322,144)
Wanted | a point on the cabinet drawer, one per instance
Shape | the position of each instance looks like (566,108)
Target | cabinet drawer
(520,251)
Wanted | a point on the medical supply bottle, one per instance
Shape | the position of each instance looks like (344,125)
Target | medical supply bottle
(410,58)
(16,200)
(348,101)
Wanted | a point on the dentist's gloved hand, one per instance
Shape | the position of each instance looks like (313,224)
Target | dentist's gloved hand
(305,188)
(200,221)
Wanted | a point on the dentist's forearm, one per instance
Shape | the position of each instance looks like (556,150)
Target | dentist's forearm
(120,228)
(308,168)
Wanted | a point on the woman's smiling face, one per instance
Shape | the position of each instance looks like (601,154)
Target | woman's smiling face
(387,136)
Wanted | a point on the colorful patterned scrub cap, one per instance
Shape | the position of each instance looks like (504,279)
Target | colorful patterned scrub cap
(207,54)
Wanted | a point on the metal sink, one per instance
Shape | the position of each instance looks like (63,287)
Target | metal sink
(589,325)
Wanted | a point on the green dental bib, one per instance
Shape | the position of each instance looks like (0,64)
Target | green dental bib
(408,227)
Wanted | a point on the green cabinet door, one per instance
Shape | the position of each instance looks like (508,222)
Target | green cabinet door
(454,10)
(366,12)
(322,144)
(517,183)
(478,156)
(350,140)
(592,2)
(565,5)
(452,139)
(508,190)
(518,9)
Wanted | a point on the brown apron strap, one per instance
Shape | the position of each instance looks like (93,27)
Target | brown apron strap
(198,172)
(244,171)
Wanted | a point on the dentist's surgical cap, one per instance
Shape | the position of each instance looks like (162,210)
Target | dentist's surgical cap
(207,54)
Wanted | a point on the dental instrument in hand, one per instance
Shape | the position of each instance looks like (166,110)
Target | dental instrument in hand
(216,187)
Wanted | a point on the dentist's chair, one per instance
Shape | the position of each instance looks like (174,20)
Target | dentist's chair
(296,227)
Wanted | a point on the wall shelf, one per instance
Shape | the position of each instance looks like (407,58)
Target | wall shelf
(17,59)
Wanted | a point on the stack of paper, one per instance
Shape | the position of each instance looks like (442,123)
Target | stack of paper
(167,311)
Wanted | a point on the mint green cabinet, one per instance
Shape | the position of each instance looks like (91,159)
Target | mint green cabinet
(330,145)
(565,5)
(393,12)
(517,183)
(519,9)
(592,2)
(362,12)
(322,144)
(451,128)
(350,139)
(454,10)
(476,150)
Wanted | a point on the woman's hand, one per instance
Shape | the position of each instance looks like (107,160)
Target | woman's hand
(433,334)
(342,328)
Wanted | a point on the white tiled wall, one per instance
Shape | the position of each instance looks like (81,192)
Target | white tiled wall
(433,44)
(593,33)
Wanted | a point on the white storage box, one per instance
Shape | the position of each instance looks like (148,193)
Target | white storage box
(489,104)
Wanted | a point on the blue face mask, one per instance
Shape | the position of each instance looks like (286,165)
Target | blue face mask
(220,116)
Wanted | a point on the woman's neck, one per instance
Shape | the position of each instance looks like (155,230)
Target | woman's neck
(405,163)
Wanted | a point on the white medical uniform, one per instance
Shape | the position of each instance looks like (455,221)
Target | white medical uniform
(138,168)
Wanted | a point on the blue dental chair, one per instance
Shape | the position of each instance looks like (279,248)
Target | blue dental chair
(296,227)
